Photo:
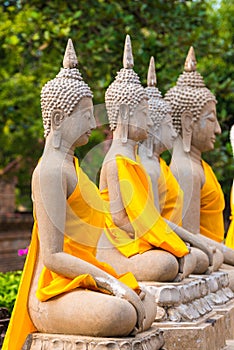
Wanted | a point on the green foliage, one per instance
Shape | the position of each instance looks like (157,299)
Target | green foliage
(33,36)
(9,284)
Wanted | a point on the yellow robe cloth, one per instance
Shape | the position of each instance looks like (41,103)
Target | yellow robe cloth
(230,234)
(212,206)
(171,196)
(150,228)
(84,223)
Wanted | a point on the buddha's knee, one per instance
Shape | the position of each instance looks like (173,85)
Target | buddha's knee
(86,313)
(218,259)
(202,261)
(154,265)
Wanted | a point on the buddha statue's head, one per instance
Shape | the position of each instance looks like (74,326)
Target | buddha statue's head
(66,102)
(193,108)
(126,101)
(161,133)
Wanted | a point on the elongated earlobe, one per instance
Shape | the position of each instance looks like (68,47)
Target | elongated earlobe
(124,120)
(56,139)
(150,145)
(187,130)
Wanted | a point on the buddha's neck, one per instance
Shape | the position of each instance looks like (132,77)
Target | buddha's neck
(65,151)
(143,152)
(178,151)
(127,149)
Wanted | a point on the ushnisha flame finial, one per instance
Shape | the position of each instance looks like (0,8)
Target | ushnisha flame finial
(151,77)
(70,59)
(128,61)
(190,62)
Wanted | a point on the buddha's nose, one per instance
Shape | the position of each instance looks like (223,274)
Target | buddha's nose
(217,128)
(93,123)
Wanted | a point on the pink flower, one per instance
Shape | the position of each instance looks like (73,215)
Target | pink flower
(22,252)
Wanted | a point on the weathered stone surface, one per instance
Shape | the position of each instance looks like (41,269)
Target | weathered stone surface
(150,340)
(192,298)
(207,334)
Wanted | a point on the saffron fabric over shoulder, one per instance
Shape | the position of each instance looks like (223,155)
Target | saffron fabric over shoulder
(151,230)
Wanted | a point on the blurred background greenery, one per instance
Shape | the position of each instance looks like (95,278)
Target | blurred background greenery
(33,37)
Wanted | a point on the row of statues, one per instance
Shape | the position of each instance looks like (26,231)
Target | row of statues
(147,222)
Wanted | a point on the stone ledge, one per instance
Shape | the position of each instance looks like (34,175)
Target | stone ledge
(151,340)
(190,299)
(206,334)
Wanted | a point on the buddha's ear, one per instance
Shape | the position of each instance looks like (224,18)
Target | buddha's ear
(124,114)
(57,116)
(187,130)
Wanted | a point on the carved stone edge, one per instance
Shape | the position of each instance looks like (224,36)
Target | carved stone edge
(150,340)
(191,299)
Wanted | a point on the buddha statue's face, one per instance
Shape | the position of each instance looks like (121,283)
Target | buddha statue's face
(205,128)
(76,129)
(165,135)
(139,122)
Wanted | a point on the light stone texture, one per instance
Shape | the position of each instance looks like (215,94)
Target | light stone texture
(149,340)
(207,334)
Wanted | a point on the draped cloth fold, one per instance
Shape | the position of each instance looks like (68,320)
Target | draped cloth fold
(212,206)
(85,218)
(150,228)
(230,234)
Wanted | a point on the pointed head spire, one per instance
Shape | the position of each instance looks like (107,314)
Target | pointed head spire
(70,59)
(190,62)
(128,61)
(125,89)
(151,77)
(65,91)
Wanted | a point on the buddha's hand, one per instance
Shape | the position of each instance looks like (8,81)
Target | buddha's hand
(122,291)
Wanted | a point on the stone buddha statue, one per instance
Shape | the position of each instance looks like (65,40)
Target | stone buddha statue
(194,118)
(168,196)
(136,237)
(64,288)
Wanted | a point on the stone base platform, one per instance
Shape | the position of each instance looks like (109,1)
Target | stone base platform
(205,334)
(197,313)
(192,298)
(227,311)
(149,340)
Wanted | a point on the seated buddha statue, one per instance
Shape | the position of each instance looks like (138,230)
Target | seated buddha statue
(64,288)
(136,238)
(168,196)
(194,118)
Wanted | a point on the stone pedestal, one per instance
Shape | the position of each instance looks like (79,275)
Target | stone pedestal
(206,334)
(149,340)
(190,299)
(197,313)
(227,311)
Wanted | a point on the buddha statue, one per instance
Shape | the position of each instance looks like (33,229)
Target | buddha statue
(194,118)
(168,196)
(64,288)
(136,238)
(230,233)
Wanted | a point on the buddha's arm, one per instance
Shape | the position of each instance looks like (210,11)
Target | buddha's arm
(50,207)
(118,212)
(228,253)
(190,183)
(194,240)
